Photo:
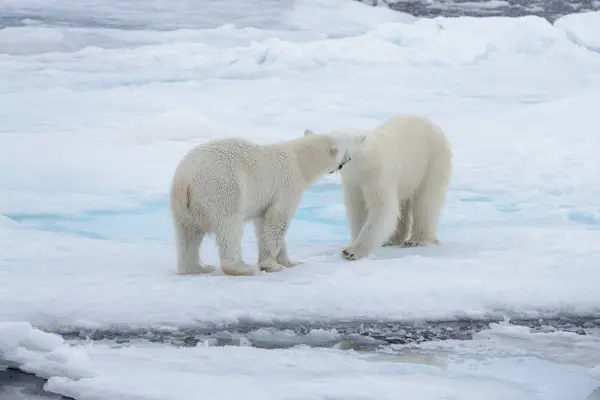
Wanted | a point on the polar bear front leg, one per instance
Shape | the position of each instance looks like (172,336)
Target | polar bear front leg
(263,253)
(379,225)
(283,257)
(260,238)
(355,208)
(273,255)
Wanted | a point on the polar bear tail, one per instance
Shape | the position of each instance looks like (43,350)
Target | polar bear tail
(188,230)
(181,198)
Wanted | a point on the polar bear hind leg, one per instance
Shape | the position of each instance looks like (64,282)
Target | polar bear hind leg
(428,204)
(284,259)
(426,215)
(403,224)
(187,241)
(229,240)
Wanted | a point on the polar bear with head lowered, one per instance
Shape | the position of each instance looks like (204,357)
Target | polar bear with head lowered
(399,174)
(220,185)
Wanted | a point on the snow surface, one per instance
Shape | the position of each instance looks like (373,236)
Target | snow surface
(98,107)
(95,119)
(497,364)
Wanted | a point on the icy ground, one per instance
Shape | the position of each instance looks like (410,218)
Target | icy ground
(100,99)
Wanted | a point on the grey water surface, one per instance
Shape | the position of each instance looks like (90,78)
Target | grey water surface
(548,9)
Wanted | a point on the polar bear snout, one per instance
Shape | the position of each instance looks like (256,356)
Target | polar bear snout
(345,160)
(339,168)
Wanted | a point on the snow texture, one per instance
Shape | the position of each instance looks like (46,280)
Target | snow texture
(92,133)
(582,29)
(96,113)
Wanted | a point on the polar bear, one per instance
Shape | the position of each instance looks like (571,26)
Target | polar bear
(220,185)
(401,171)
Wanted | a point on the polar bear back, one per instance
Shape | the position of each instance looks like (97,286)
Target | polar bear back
(238,175)
(402,147)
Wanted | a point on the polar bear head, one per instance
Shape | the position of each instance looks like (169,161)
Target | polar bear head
(343,147)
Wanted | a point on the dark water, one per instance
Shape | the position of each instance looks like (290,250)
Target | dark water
(549,9)
(16,385)
(367,335)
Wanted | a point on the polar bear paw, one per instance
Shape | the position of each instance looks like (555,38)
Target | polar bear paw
(196,269)
(354,252)
(418,243)
(412,243)
(271,266)
(289,263)
(238,269)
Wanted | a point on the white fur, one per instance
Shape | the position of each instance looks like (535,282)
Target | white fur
(399,175)
(220,185)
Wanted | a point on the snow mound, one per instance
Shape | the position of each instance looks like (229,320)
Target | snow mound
(40,353)
(582,29)
(181,125)
(340,18)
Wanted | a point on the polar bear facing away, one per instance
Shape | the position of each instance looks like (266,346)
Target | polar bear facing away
(220,185)
(399,175)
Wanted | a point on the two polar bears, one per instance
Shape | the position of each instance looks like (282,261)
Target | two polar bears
(398,172)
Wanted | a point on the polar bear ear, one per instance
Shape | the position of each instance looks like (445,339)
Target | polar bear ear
(308,132)
(360,139)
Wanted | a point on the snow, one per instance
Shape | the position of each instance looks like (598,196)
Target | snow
(96,126)
(494,365)
(99,284)
(148,14)
(96,113)
(582,29)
